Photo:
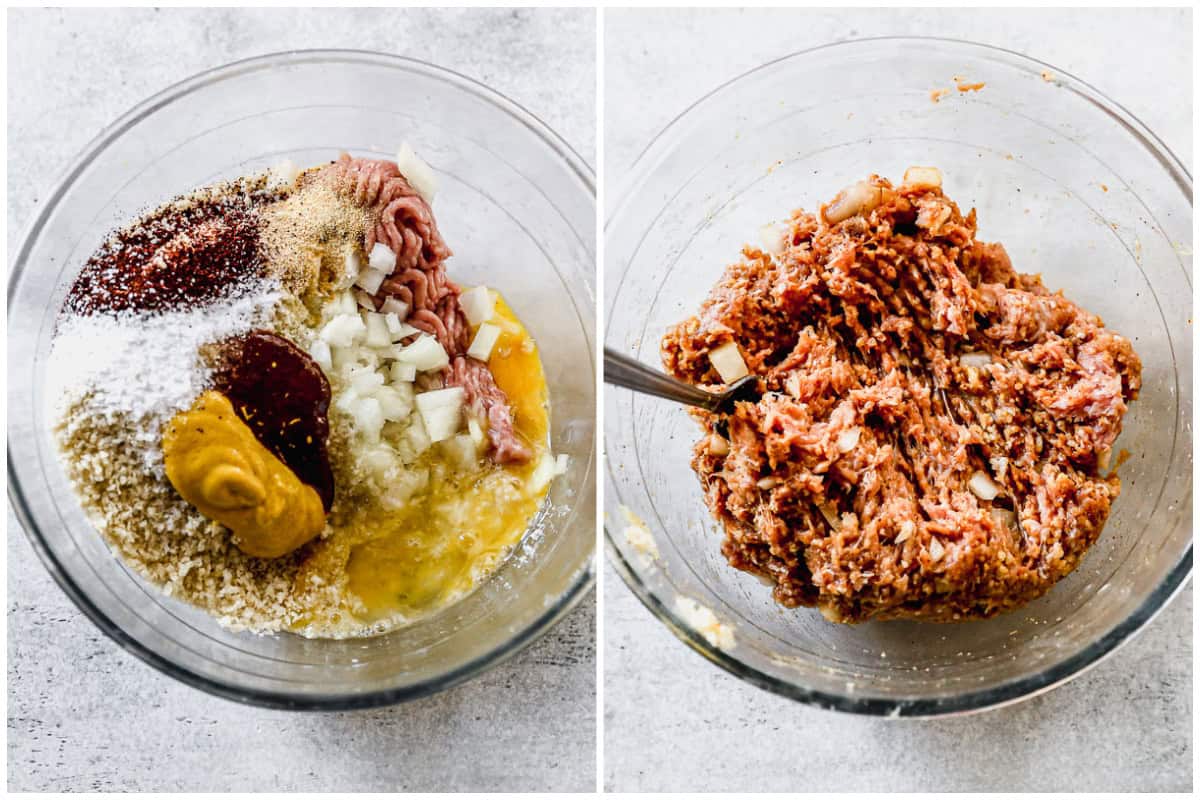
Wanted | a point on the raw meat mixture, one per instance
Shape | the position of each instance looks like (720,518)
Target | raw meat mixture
(934,431)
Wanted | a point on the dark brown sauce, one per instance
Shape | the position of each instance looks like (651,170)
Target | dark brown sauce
(282,394)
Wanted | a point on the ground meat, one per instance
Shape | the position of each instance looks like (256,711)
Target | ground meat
(906,372)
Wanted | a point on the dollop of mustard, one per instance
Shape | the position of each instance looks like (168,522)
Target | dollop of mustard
(214,461)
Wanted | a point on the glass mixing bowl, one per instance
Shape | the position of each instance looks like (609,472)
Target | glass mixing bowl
(1075,188)
(517,206)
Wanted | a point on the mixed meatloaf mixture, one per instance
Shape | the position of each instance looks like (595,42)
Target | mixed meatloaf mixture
(934,431)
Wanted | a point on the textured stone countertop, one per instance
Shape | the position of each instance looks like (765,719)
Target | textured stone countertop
(674,721)
(85,715)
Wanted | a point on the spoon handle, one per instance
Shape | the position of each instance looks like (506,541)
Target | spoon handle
(621,370)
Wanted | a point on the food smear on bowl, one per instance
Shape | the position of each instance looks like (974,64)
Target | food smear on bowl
(275,403)
(934,435)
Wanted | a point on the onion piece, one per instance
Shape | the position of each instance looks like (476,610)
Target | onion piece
(353,266)
(848,439)
(976,360)
(425,353)
(368,417)
(441,412)
(727,361)
(382,259)
(402,373)
(478,305)
(1104,459)
(397,307)
(936,549)
(768,482)
(476,432)
(418,174)
(344,303)
(377,330)
(774,237)
(364,300)
(854,199)
(320,352)
(485,339)
(982,486)
(561,462)
(369,280)
(283,174)
(907,529)
(365,381)
(923,177)
(343,330)
(829,512)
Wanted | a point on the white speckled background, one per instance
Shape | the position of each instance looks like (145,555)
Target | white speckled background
(85,715)
(674,721)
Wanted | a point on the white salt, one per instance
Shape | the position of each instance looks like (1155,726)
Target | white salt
(144,366)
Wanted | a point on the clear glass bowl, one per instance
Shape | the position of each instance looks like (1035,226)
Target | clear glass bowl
(517,206)
(1075,188)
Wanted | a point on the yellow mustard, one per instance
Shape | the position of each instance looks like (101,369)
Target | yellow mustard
(216,464)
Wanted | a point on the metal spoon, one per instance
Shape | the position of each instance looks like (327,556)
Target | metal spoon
(621,370)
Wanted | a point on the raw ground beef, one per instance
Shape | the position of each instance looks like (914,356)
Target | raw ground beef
(906,372)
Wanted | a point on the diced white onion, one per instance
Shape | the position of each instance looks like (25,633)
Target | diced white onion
(441,411)
(476,432)
(461,452)
(907,529)
(854,199)
(936,549)
(344,303)
(768,483)
(382,259)
(404,331)
(364,300)
(370,280)
(403,373)
(999,466)
(561,462)
(368,418)
(320,352)
(848,439)
(394,404)
(419,174)
(365,380)
(727,361)
(283,174)
(975,359)
(478,305)
(923,177)
(346,400)
(394,306)
(484,341)
(543,473)
(829,512)
(425,353)
(378,334)
(343,330)
(982,486)
(718,445)
(774,237)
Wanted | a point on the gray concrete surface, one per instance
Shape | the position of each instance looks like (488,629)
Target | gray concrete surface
(674,721)
(84,715)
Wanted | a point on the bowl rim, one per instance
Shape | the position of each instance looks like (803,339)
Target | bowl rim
(585,575)
(1008,692)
